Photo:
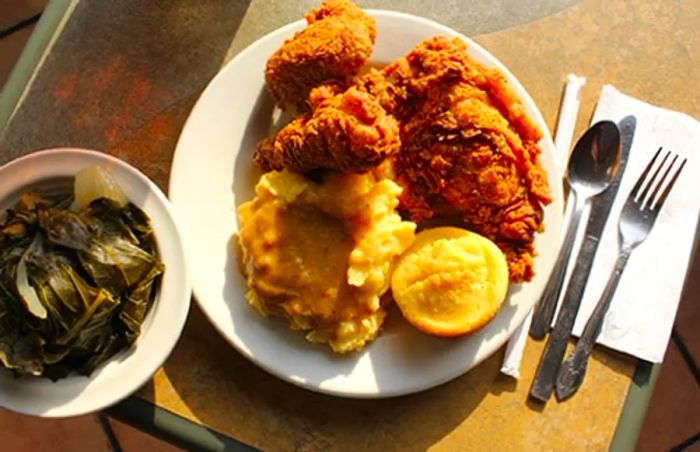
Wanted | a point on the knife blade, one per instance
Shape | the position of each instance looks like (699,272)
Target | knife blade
(548,369)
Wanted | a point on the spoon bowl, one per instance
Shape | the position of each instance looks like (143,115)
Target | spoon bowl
(595,159)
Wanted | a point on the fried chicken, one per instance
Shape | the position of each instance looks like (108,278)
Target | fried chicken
(469,152)
(439,62)
(348,131)
(462,146)
(333,47)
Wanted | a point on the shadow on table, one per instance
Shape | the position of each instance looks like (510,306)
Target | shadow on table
(163,424)
(118,68)
(206,380)
(224,391)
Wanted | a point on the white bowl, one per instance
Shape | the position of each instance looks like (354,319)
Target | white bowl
(129,369)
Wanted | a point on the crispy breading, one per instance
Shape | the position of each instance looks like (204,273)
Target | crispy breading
(438,62)
(333,47)
(469,151)
(373,82)
(349,131)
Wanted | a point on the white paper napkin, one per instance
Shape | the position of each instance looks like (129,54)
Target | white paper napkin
(643,309)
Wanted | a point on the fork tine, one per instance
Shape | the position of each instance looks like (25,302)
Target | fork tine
(650,200)
(643,199)
(643,176)
(664,195)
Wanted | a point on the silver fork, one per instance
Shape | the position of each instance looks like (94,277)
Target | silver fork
(636,220)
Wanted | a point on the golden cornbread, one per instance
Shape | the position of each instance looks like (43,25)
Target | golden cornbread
(450,282)
(321,254)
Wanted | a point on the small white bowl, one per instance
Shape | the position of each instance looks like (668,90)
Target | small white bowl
(129,369)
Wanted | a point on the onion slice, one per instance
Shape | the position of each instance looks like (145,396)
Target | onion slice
(94,182)
(26,292)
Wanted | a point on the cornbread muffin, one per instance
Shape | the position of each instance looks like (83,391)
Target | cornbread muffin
(321,254)
(450,282)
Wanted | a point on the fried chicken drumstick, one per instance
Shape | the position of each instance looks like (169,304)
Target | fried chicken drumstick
(348,131)
(333,47)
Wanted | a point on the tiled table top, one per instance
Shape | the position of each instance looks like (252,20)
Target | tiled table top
(104,92)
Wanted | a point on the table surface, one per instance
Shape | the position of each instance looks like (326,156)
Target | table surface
(123,76)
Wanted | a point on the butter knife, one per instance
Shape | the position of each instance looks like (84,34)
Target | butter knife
(548,369)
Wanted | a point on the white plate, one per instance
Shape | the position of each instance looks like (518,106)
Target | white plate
(129,369)
(212,173)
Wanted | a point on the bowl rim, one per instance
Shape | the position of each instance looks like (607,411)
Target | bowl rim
(128,370)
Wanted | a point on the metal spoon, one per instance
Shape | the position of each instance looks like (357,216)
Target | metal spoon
(592,166)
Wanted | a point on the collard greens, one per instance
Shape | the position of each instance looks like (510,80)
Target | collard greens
(75,287)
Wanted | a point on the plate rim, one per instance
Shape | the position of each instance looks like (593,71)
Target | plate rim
(546,141)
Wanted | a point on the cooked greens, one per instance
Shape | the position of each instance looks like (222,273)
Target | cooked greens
(75,286)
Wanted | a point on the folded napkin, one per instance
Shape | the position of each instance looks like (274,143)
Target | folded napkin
(643,309)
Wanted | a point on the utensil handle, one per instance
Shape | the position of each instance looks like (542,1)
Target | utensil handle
(595,321)
(543,385)
(544,309)
(574,368)
(579,275)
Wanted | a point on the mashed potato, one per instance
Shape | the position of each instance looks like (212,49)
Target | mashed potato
(321,254)
(450,282)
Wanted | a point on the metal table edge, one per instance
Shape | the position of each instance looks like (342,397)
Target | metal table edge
(635,407)
(18,81)
(176,429)
(171,427)
(642,387)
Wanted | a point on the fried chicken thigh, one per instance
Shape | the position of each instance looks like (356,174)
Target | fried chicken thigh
(333,47)
(468,152)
